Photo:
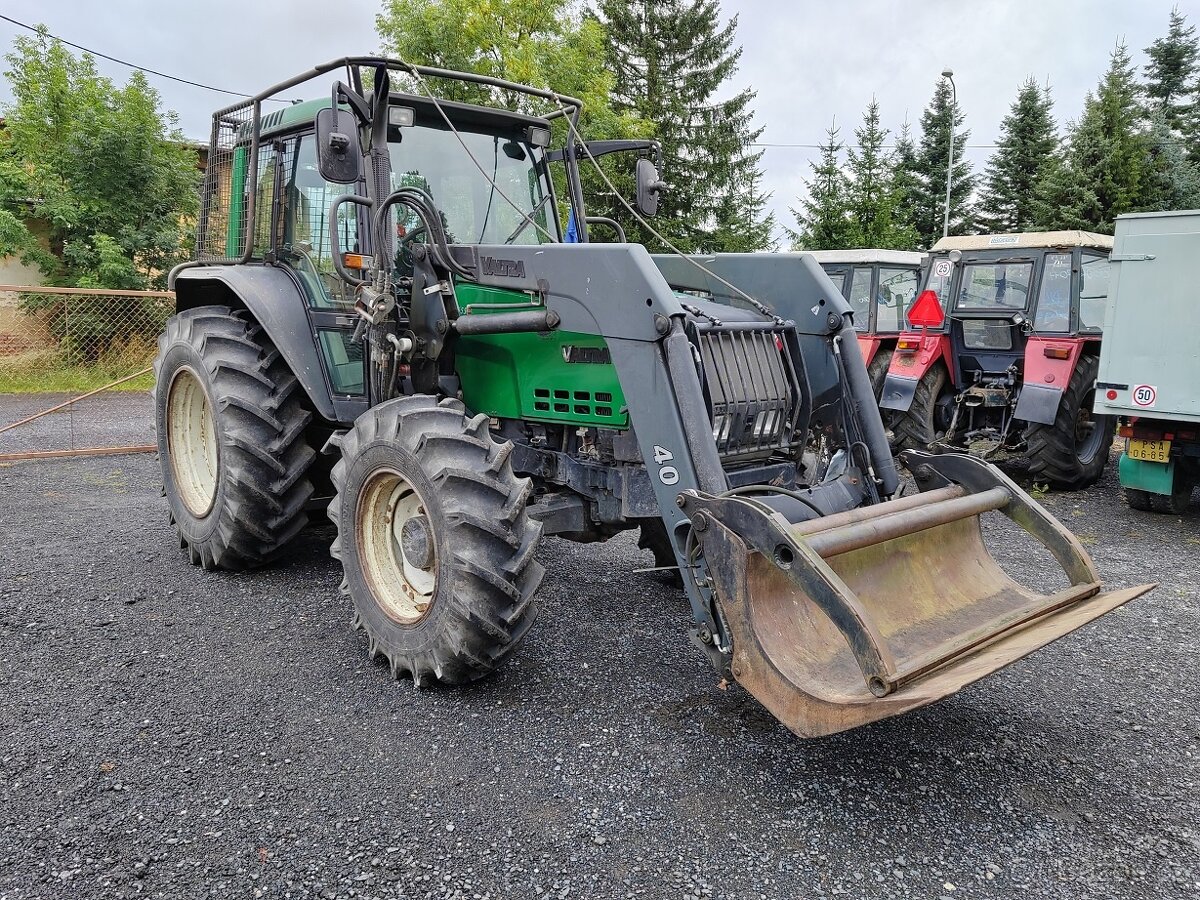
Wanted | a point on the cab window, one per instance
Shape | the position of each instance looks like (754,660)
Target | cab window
(304,242)
(1093,291)
(860,297)
(896,292)
(1054,296)
(999,285)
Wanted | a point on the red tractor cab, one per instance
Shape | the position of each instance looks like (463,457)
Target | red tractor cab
(1001,354)
(880,285)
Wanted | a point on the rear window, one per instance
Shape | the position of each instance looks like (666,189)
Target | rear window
(995,286)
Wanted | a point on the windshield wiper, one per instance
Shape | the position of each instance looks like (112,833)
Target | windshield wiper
(524,223)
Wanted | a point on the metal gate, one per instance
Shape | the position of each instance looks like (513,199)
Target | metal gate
(75,370)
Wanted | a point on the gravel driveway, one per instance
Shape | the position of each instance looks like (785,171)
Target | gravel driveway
(170,732)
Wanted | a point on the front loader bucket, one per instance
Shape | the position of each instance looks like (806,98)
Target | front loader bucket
(842,620)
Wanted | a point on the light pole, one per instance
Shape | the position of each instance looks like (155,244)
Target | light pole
(948,74)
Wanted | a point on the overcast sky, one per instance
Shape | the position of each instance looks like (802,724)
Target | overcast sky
(810,61)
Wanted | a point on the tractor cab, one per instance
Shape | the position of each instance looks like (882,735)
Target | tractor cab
(880,286)
(1000,330)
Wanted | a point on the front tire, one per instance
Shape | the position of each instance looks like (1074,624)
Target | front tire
(435,540)
(1071,453)
(230,426)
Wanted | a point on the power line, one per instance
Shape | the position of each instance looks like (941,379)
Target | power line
(122,62)
(884,146)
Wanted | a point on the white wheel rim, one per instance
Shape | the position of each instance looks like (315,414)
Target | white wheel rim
(403,589)
(192,442)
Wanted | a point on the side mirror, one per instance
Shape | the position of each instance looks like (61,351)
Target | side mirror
(339,151)
(648,187)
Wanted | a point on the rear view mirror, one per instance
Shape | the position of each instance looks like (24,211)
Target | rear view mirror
(648,187)
(339,152)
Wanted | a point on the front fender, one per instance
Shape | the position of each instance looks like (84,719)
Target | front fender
(278,304)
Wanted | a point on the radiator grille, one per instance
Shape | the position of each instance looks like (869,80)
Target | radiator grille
(751,384)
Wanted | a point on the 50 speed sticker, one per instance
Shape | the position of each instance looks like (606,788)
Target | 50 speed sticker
(1144,395)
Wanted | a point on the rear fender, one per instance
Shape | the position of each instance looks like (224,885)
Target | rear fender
(278,304)
(869,345)
(908,367)
(1045,378)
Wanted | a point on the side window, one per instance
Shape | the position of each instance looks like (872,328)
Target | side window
(896,293)
(1093,292)
(264,196)
(860,297)
(838,277)
(1054,296)
(305,243)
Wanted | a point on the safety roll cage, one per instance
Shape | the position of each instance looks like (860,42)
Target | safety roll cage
(568,107)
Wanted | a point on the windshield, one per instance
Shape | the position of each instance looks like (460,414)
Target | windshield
(999,285)
(473,211)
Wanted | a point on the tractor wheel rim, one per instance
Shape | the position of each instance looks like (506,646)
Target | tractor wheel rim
(403,588)
(192,442)
(1088,433)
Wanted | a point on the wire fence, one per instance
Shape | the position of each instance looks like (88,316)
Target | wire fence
(75,369)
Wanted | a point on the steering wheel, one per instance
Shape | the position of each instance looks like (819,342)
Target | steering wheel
(404,255)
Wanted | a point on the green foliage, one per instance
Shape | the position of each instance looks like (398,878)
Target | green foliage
(875,193)
(99,164)
(1172,179)
(1171,72)
(823,217)
(1024,157)
(671,58)
(928,169)
(1105,169)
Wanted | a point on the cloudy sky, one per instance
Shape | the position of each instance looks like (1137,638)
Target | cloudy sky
(811,61)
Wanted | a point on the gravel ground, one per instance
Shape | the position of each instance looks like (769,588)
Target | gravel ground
(111,419)
(170,732)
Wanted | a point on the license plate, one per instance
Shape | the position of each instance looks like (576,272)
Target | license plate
(1150,451)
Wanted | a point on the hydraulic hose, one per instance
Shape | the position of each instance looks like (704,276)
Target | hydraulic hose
(867,412)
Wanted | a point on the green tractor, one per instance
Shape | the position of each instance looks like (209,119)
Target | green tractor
(384,322)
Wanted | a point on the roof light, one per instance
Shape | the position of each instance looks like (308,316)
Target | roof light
(538,136)
(926,312)
(401,116)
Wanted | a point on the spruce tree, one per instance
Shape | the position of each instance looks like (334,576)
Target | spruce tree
(1105,168)
(872,196)
(1171,72)
(823,219)
(1172,180)
(905,177)
(1024,154)
(929,202)
(671,58)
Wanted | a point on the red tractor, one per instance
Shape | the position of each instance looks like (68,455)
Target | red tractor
(880,285)
(1002,353)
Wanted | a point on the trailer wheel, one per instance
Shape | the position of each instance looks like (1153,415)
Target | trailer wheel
(435,540)
(1071,453)
(1142,501)
(922,424)
(1175,503)
(230,426)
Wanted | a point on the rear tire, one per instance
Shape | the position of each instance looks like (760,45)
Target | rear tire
(435,540)
(877,372)
(230,425)
(1175,503)
(1071,453)
(917,427)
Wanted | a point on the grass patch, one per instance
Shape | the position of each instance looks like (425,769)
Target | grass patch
(46,370)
